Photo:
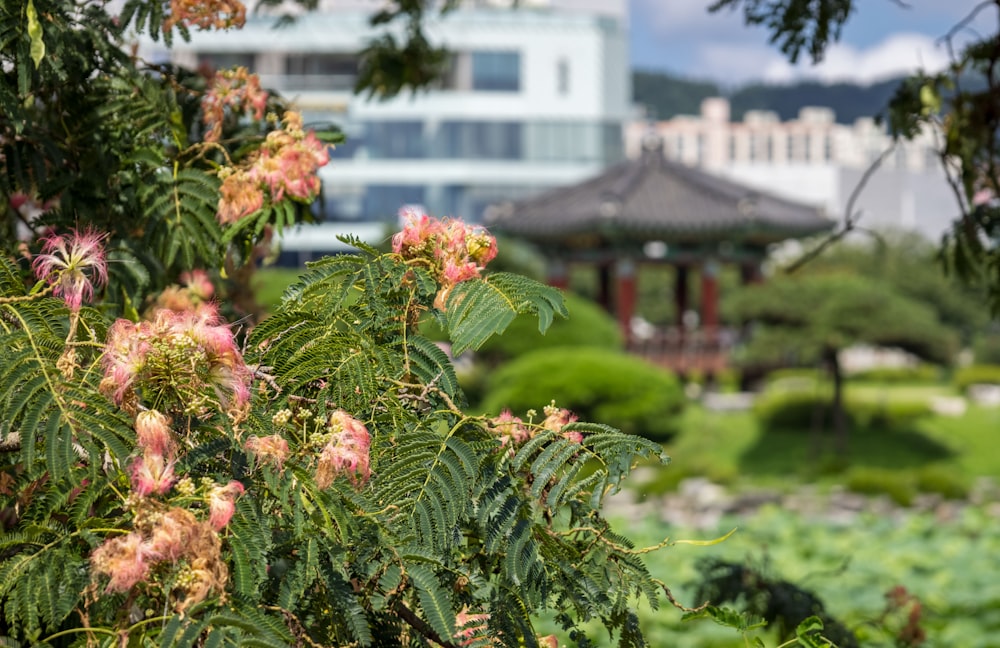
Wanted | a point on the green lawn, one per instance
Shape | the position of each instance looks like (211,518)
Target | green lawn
(731,448)
(270,283)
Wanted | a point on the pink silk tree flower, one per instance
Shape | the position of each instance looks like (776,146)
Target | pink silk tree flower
(172,534)
(198,283)
(347,453)
(154,434)
(123,559)
(222,504)
(73,264)
(272,450)
(152,474)
(240,196)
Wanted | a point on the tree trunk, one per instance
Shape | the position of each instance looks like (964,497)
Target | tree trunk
(837,409)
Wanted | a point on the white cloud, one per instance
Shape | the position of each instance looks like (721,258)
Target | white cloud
(898,54)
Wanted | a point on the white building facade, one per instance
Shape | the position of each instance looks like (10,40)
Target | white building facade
(815,160)
(535,97)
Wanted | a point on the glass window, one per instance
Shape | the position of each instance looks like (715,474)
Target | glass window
(395,140)
(562,77)
(496,71)
(479,140)
(320,71)
(226,60)
(382,202)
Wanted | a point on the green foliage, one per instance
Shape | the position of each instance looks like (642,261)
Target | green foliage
(796,25)
(804,317)
(792,610)
(944,481)
(588,325)
(308,480)
(879,481)
(449,520)
(976,374)
(922,373)
(626,392)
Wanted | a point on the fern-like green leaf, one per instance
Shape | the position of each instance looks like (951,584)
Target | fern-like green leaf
(433,600)
(478,309)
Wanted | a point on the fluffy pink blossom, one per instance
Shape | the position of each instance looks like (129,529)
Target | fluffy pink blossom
(123,559)
(510,428)
(453,251)
(154,434)
(222,504)
(206,14)
(454,273)
(152,474)
(124,358)
(286,165)
(271,449)
(240,196)
(236,91)
(196,344)
(557,418)
(289,160)
(198,283)
(171,536)
(73,264)
(347,453)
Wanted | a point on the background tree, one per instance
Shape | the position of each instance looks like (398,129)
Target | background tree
(807,319)
(959,103)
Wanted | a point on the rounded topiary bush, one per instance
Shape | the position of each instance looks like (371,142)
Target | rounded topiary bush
(595,384)
(986,374)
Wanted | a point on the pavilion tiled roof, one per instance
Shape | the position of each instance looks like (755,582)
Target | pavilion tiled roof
(652,198)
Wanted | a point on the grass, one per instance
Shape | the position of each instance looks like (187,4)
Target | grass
(270,283)
(731,448)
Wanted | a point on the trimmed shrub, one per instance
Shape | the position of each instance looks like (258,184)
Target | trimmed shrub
(794,409)
(878,481)
(921,373)
(943,481)
(595,384)
(798,408)
(977,374)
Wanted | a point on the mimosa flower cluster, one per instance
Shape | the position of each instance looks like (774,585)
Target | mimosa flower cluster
(284,166)
(194,290)
(168,544)
(450,249)
(206,14)
(341,443)
(73,264)
(180,360)
(513,430)
(235,91)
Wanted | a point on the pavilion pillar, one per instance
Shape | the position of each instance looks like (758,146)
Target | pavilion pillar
(751,273)
(710,295)
(604,286)
(680,293)
(626,291)
(557,274)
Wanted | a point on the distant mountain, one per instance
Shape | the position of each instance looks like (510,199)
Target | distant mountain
(666,96)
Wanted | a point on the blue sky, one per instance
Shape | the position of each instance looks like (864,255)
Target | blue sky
(882,39)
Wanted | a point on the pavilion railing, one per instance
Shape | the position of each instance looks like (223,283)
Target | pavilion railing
(706,350)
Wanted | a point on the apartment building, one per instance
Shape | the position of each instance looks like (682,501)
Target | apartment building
(814,159)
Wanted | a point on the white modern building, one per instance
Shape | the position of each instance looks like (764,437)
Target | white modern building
(815,160)
(537,96)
